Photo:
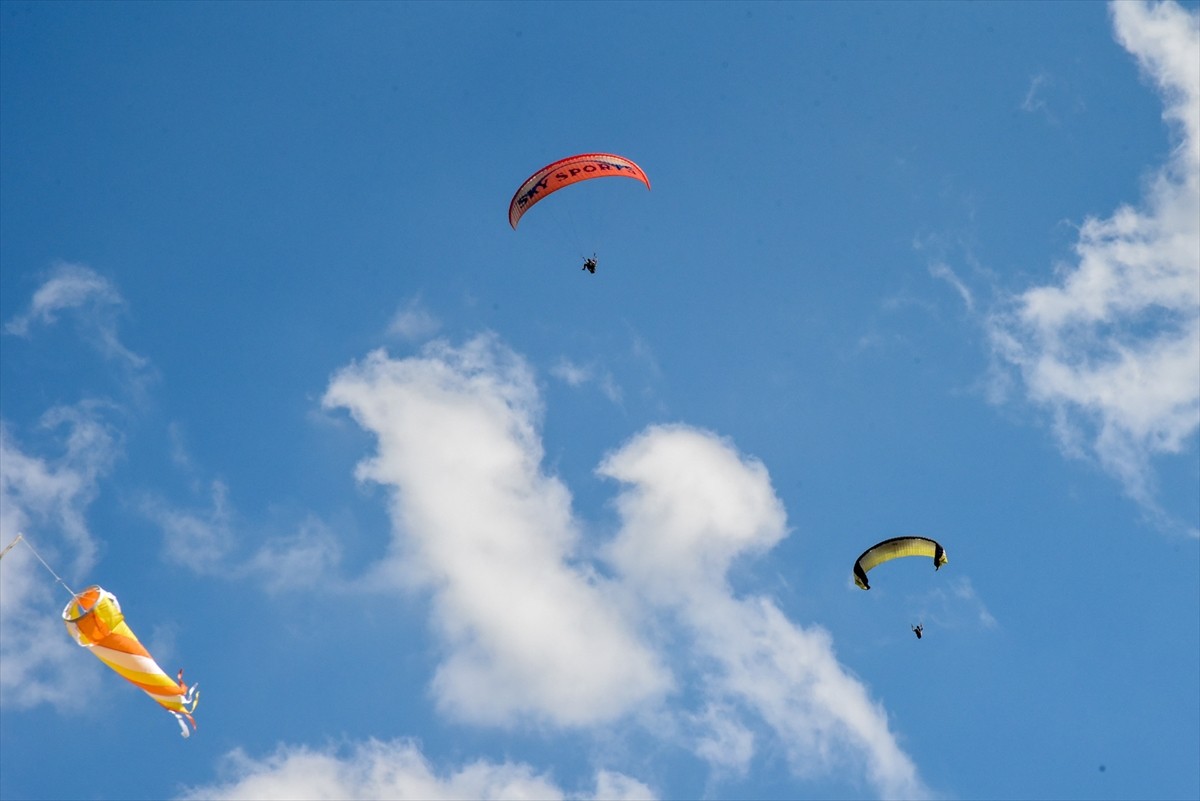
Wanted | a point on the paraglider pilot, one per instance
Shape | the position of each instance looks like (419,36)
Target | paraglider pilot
(917,629)
(590,264)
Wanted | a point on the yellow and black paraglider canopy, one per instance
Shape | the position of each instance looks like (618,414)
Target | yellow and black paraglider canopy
(895,548)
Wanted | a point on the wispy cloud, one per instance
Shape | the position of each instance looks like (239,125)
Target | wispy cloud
(47,484)
(52,492)
(575,375)
(213,539)
(394,770)
(1033,100)
(91,299)
(200,539)
(723,741)
(413,321)
(1112,348)
(46,498)
(956,606)
(1049,97)
(570,373)
(304,558)
(943,271)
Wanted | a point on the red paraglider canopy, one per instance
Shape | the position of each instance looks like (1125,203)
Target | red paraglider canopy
(569,171)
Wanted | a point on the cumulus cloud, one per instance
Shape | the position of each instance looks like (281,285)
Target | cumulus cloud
(1112,348)
(528,634)
(91,298)
(701,505)
(532,632)
(46,497)
(395,770)
(690,506)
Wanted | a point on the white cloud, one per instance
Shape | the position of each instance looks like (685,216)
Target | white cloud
(396,771)
(1112,348)
(200,540)
(690,505)
(956,606)
(45,491)
(723,741)
(46,498)
(617,786)
(35,655)
(51,494)
(531,632)
(93,300)
(303,559)
(570,373)
(1165,39)
(1048,96)
(528,635)
(413,321)
(944,272)
(575,375)
(1033,100)
(207,541)
(181,457)
(700,504)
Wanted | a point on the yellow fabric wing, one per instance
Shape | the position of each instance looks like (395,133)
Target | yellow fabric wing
(896,548)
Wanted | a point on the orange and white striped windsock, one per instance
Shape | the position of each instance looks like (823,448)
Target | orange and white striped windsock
(94,619)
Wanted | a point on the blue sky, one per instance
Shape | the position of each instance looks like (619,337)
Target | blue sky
(428,512)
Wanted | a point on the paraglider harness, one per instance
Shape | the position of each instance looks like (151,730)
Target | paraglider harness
(590,264)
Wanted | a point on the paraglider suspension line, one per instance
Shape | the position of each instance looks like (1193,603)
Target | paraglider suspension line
(21,538)
(577,240)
